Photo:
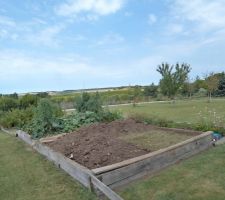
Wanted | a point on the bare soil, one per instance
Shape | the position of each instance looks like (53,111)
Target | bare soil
(99,145)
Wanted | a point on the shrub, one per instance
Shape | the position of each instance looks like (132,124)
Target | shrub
(28,100)
(76,120)
(16,118)
(108,116)
(8,103)
(45,119)
(89,102)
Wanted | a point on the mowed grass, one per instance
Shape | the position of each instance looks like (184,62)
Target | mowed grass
(155,140)
(25,175)
(199,178)
(181,111)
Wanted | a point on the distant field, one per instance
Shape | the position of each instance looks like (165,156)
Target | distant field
(25,175)
(181,111)
(199,178)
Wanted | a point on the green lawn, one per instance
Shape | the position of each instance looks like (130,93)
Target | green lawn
(199,178)
(181,111)
(25,175)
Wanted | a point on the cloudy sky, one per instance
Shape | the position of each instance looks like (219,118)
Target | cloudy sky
(71,44)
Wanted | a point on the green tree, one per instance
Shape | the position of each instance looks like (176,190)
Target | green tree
(42,94)
(8,103)
(45,118)
(89,102)
(28,100)
(151,90)
(199,83)
(14,95)
(221,87)
(172,80)
(212,81)
(188,88)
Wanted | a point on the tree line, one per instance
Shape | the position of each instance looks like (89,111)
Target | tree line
(175,82)
(175,79)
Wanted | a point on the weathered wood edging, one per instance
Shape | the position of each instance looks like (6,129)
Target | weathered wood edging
(122,173)
(126,171)
(77,171)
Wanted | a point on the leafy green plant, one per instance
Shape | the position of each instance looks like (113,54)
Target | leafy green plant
(76,120)
(28,100)
(8,103)
(16,118)
(109,116)
(89,102)
(45,119)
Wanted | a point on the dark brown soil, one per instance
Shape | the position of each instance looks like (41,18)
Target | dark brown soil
(99,145)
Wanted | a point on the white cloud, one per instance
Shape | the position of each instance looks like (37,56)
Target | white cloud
(207,14)
(22,65)
(6,21)
(99,7)
(3,34)
(47,36)
(176,28)
(200,21)
(21,71)
(110,39)
(152,19)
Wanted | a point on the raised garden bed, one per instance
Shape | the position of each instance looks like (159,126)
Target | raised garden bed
(103,144)
(108,155)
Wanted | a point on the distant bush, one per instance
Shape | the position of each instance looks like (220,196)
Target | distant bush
(8,103)
(151,90)
(201,92)
(47,118)
(89,102)
(16,118)
(109,116)
(28,100)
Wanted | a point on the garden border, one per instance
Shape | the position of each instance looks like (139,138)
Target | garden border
(77,171)
(124,172)
(101,180)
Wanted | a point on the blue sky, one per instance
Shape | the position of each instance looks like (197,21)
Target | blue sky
(71,44)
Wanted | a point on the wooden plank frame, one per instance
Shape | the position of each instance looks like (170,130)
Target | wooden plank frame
(77,171)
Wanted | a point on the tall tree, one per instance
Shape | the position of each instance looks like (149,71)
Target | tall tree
(173,78)
(189,87)
(221,87)
(212,81)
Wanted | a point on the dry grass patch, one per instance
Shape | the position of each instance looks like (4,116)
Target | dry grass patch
(155,140)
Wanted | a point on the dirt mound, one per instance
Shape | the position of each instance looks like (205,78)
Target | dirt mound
(99,145)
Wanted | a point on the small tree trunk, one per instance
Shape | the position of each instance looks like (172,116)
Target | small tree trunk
(210,97)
